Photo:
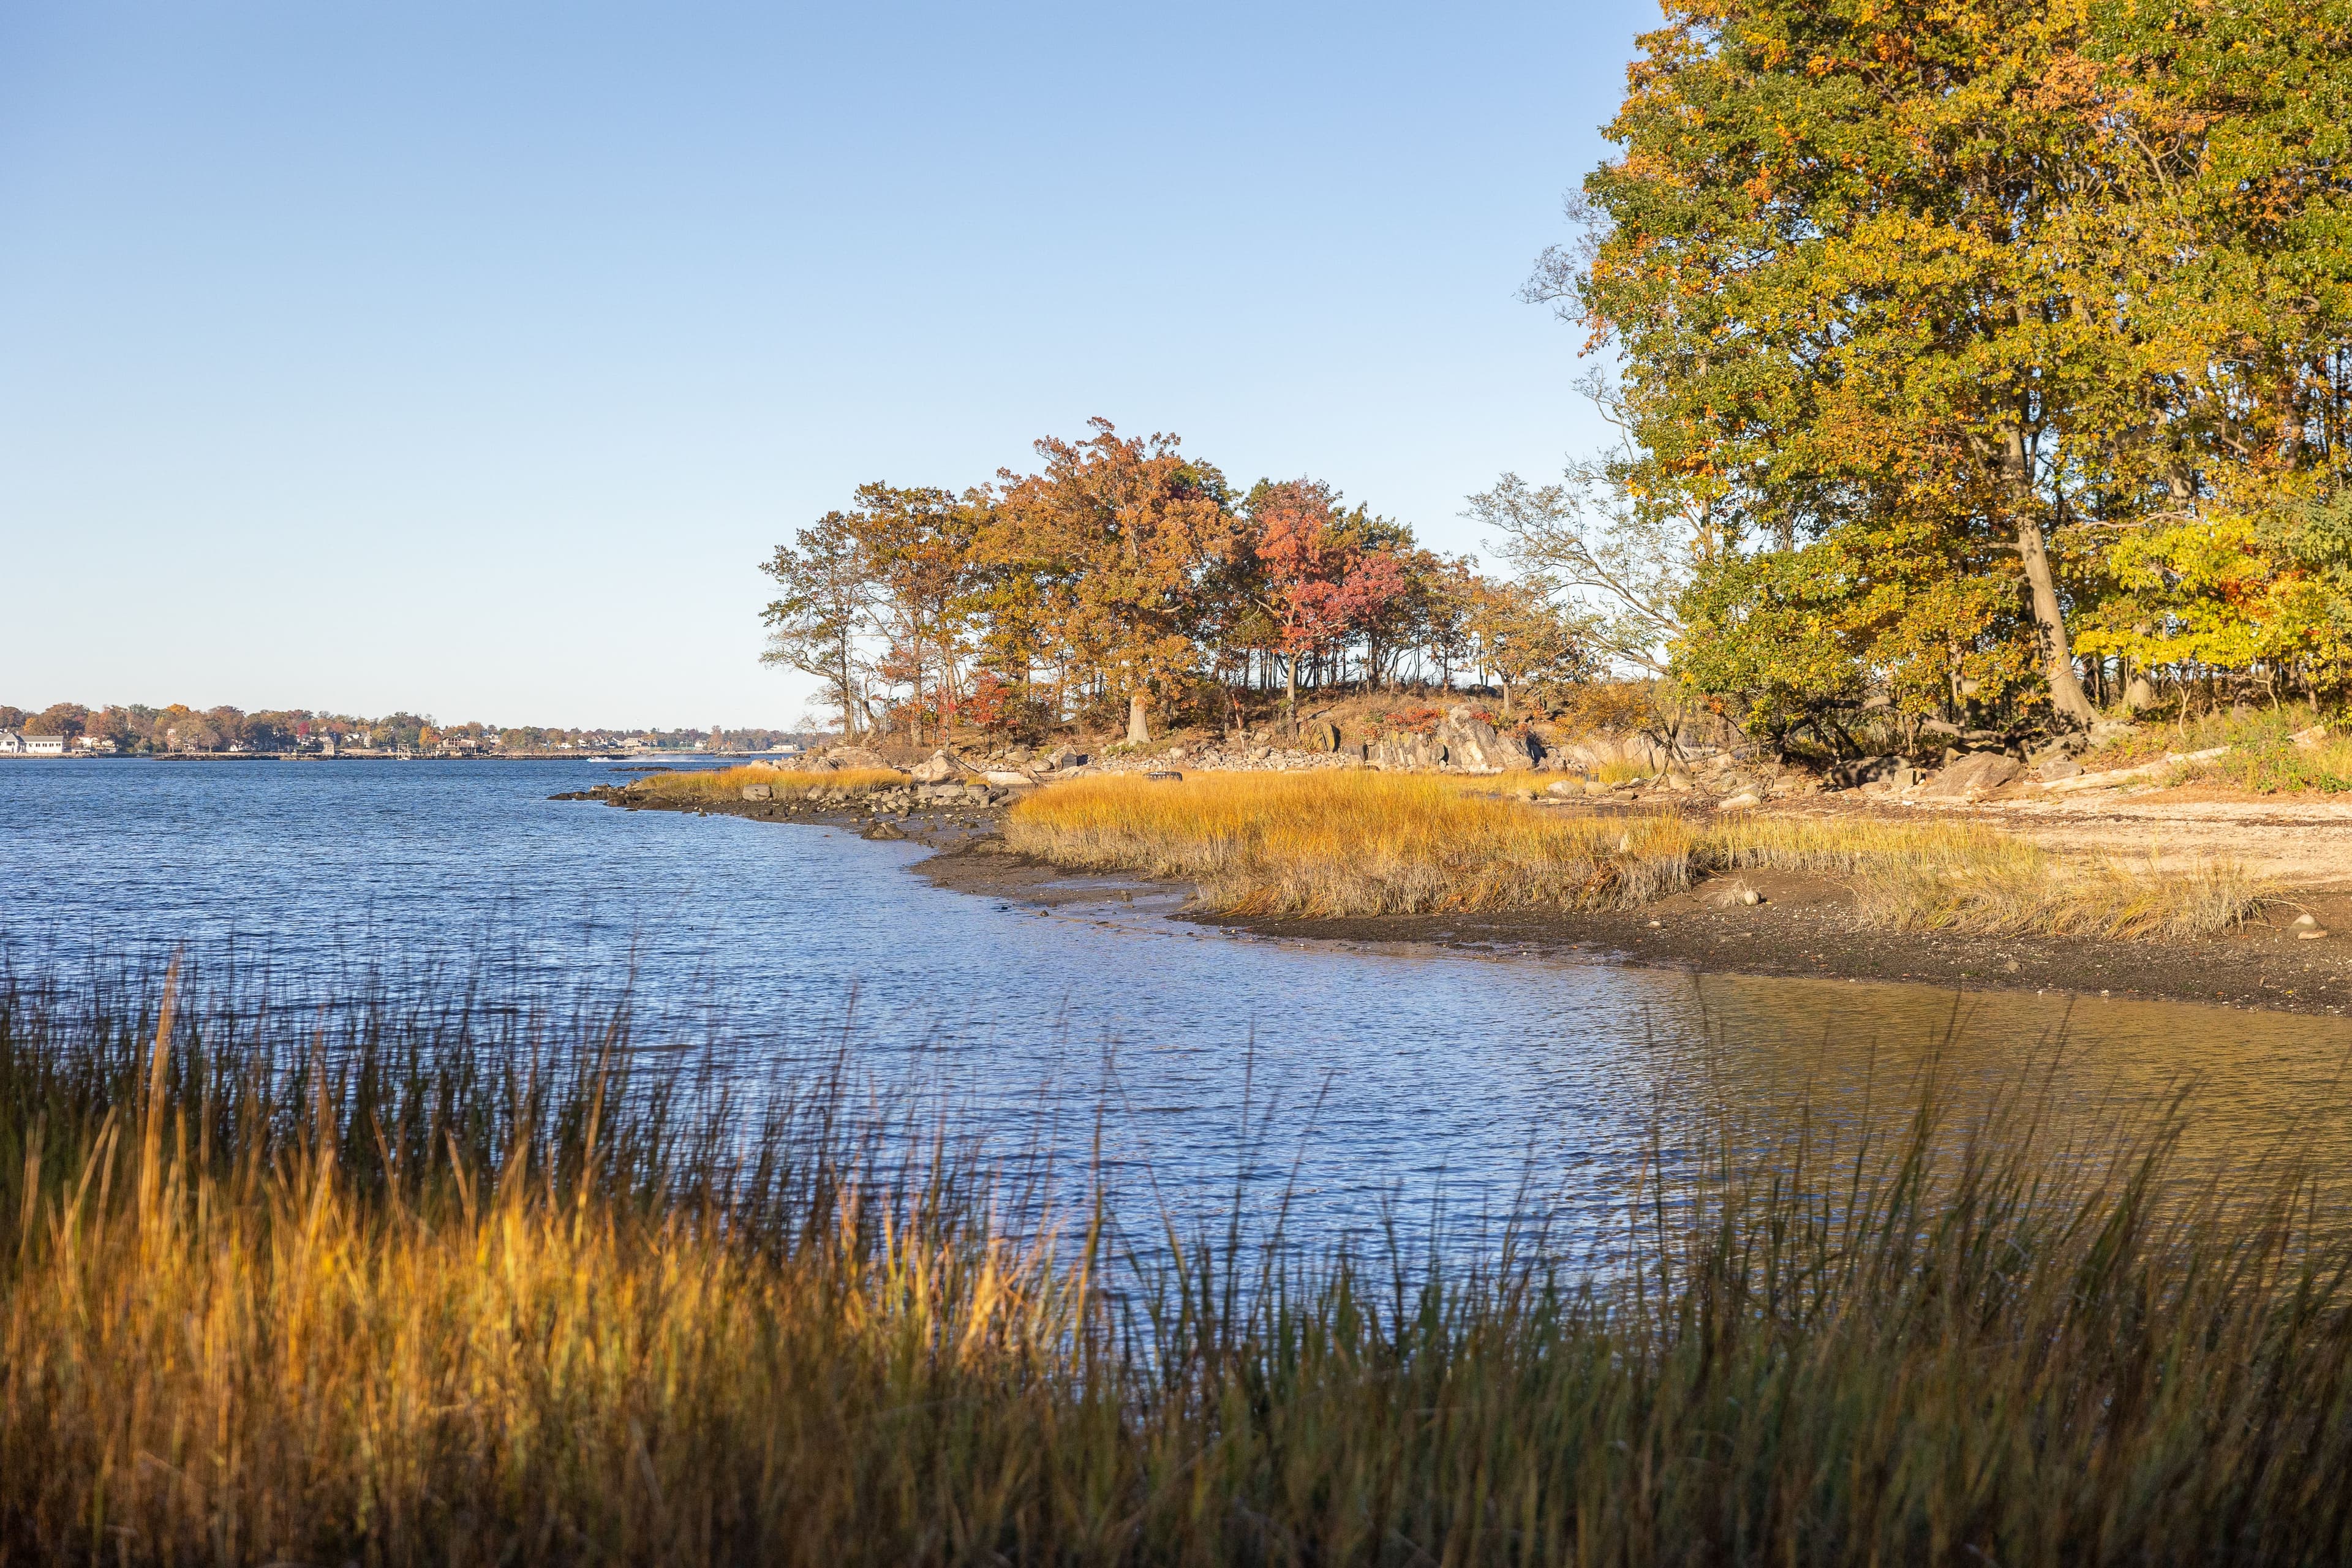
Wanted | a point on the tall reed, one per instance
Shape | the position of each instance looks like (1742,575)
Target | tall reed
(373,1293)
(1362,843)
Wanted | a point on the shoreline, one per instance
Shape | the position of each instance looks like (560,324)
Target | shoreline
(1800,930)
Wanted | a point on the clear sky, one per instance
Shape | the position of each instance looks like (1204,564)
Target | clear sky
(469,357)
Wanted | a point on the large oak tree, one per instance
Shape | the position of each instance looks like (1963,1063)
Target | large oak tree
(1954,287)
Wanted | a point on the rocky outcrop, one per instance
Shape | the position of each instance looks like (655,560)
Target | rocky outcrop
(1475,746)
(1461,740)
(1407,752)
(1979,774)
(938,768)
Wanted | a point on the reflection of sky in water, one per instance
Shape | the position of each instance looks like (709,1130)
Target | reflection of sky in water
(1378,1074)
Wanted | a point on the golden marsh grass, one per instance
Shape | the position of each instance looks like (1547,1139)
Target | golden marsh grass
(1350,842)
(789,784)
(373,1295)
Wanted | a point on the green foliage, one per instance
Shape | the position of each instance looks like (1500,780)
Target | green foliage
(1949,286)
(1770,631)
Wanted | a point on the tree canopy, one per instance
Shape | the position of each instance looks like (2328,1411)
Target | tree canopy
(1978,344)
(1121,578)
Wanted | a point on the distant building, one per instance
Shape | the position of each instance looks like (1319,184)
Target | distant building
(45,745)
(12,744)
(96,743)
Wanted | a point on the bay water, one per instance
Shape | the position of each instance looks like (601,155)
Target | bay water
(1368,1084)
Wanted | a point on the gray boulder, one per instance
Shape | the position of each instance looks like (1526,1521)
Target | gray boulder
(758,792)
(1474,744)
(1977,773)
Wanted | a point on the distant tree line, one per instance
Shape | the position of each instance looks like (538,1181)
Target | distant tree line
(1977,357)
(1126,579)
(179,727)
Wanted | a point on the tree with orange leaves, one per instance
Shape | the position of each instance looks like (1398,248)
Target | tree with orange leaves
(1123,537)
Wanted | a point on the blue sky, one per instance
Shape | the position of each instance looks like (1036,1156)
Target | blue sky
(470,357)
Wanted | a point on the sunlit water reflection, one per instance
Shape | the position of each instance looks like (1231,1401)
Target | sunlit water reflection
(1365,1081)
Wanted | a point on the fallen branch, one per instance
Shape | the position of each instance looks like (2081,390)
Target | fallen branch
(2165,764)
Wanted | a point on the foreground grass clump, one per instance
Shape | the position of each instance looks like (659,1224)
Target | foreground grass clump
(1360,843)
(696,784)
(386,1298)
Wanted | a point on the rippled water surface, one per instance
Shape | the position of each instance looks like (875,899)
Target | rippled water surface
(1381,1077)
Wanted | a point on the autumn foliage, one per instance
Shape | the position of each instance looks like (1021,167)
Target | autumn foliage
(1990,354)
(1123,577)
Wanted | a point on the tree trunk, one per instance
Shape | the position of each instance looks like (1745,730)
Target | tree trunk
(2065,686)
(1290,687)
(1139,733)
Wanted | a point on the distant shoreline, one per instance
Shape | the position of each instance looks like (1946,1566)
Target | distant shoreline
(656,759)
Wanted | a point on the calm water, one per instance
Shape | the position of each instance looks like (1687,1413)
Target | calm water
(1383,1078)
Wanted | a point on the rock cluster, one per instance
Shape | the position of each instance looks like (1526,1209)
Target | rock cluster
(1462,741)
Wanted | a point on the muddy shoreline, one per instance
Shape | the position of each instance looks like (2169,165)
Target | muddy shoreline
(1803,927)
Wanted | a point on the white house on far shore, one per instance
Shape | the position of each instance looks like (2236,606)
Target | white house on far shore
(13,745)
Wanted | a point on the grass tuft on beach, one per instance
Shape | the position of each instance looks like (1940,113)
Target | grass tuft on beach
(1343,843)
(696,785)
(408,1288)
